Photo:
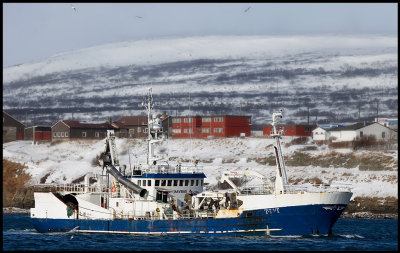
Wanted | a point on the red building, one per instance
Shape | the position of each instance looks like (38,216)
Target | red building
(38,133)
(186,127)
(291,130)
(218,126)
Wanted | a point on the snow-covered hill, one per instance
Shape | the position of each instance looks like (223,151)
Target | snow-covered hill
(67,161)
(334,76)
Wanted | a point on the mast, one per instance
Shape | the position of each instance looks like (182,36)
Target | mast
(152,124)
(281,178)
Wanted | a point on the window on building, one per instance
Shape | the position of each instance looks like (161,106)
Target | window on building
(96,134)
(218,130)
(206,119)
(361,133)
(66,134)
(383,135)
(186,182)
(139,129)
(188,120)
(62,134)
(55,134)
(176,120)
(157,182)
(188,130)
(205,130)
(83,134)
(145,130)
(131,131)
(218,119)
(176,131)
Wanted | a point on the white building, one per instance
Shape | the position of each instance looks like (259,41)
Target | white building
(320,134)
(360,130)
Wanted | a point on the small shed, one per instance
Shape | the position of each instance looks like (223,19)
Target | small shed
(38,133)
(320,134)
(13,129)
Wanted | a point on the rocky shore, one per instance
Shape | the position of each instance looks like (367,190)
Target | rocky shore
(368,215)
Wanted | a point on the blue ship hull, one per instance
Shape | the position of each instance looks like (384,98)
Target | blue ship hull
(283,221)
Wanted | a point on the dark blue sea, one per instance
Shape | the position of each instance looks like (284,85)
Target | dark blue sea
(348,234)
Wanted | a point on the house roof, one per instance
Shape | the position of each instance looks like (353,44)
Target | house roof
(295,125)
(14,118)
(133,120)
(40,128)
(77,124)
(352,127)
(208,116)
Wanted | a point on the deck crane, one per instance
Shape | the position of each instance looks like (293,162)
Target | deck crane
(281,181)
(226,175)
(109,160)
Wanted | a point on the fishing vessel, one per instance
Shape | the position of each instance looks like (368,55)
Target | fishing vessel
(159,197)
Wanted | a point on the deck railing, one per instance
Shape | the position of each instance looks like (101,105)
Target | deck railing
(256,190)
(79,188)
(168,169)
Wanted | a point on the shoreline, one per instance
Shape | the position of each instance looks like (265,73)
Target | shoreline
(345,215)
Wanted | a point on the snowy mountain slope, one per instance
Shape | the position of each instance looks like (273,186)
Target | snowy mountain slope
(255,75)
(64,162)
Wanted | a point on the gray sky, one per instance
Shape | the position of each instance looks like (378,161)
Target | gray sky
(35,31)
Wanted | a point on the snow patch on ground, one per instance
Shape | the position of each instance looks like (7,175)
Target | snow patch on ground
(67,161)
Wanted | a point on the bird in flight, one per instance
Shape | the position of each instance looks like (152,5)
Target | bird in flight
(73,7)
(139,17)
(248,8)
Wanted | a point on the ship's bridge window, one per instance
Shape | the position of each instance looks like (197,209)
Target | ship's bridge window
(201,182)
(157,183)
(144,182)
(180,182)
(191,182)
(169,182)
(139,182)
(175,182)
(186,182)
(163,182)
(197,182)
(149,182)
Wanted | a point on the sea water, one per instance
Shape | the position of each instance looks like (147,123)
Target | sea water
(348,234)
